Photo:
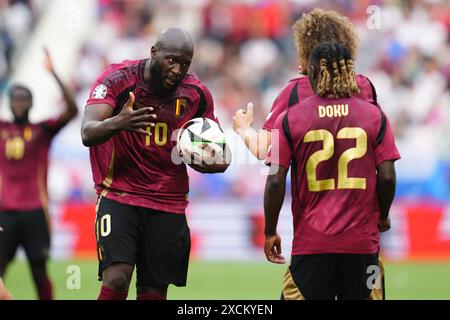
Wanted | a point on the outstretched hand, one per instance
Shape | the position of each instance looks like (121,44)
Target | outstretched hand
(243,119)
(135,120)
(272,249)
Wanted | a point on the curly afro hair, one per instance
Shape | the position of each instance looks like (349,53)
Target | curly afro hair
(319,26)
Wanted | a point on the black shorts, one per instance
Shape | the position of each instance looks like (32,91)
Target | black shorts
(157,242)
(27,228)
(333,276)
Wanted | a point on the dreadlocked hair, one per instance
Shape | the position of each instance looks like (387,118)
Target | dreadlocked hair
(336,70)
(323,85)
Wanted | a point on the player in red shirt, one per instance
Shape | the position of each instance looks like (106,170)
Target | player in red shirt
(24,149)
(129,123)
(341,152)
(309,31)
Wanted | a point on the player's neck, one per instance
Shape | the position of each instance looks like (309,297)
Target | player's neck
(148,79)
(21,120)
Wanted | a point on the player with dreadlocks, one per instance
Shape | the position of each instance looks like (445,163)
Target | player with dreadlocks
(341,152)
(310,30)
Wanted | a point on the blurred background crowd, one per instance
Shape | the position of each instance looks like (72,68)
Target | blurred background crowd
(244,51)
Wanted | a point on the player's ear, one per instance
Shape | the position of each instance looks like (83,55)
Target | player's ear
(153,52)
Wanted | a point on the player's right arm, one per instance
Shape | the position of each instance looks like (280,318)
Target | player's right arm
(257,141)
(99,124)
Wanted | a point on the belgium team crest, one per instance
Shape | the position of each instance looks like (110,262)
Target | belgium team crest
(180,107)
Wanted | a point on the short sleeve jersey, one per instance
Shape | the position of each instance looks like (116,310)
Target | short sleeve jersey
(136,169)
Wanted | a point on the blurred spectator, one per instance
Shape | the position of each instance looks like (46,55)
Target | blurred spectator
(17,18)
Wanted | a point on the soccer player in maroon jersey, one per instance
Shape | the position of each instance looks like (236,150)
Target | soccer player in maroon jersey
(132,112)
(341,152)
(309,31)
(24,149)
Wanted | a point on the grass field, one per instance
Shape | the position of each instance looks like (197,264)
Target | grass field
(232,280)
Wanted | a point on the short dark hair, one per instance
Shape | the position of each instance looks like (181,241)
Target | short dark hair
(16,87)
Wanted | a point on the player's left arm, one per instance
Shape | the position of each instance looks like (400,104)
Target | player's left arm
(71,109)
(386,154)
(386,179)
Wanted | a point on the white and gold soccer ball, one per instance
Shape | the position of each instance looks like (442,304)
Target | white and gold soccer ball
(201,140)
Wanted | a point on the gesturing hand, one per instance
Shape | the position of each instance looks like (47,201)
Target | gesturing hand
(272,249)
(243,119)
(135,120)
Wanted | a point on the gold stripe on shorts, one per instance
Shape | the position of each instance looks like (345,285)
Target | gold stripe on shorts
(378,289)
(290,290)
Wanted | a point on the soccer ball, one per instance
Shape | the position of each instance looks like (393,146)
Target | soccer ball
(201,140)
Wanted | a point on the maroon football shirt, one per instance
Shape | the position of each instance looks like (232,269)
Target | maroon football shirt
(135,169)
(333,148)
(24,163)
(299,89)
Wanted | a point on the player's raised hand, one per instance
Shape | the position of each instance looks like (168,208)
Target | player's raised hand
(243,119)
(272,249)
(48,63)
(135,120)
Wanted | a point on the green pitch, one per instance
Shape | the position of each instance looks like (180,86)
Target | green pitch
(230,280)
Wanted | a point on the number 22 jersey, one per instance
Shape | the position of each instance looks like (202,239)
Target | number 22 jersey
(333,147)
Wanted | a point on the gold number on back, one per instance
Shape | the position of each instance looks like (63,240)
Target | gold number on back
(344,182)
(327,151)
